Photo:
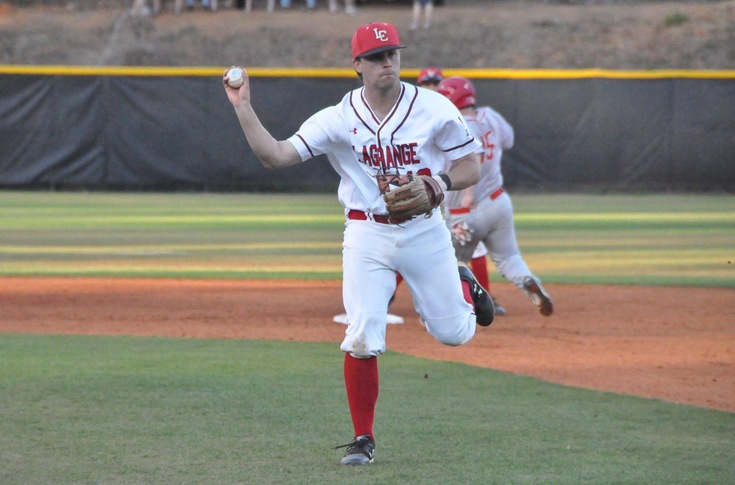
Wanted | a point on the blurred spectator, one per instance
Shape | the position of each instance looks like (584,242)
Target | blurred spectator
(350,8)
(249,5)
(207,4)
(140,9)
(310,4)
(419,6)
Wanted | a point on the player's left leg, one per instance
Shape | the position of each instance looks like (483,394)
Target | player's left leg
(429,267)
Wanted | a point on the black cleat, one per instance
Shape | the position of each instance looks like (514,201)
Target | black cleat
(359,452)
(484,308)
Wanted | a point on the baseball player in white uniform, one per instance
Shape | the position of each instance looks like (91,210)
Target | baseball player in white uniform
(386,126)
(484,212)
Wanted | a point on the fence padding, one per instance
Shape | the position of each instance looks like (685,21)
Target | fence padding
(127,132)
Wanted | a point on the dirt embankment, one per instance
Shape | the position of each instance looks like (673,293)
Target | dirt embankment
(520,34)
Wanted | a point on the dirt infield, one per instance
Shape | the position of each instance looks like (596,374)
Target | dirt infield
(674,344)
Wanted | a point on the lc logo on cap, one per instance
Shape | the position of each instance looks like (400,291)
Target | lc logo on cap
(374,38)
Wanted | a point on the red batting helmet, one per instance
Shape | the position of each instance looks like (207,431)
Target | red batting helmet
(430,75)
(459,90)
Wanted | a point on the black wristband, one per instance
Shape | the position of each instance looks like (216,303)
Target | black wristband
(446,180)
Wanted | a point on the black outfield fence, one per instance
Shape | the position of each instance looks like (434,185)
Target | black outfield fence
(173,128)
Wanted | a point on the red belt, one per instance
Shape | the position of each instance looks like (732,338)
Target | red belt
(461,210)
(466,210)
(356,215)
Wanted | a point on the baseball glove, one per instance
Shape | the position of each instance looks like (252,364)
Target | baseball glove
(410,196)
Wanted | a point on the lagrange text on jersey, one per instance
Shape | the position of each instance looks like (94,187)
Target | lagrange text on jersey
(388,157)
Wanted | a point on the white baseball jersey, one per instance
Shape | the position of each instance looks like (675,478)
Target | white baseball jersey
(496,135)
(423,130)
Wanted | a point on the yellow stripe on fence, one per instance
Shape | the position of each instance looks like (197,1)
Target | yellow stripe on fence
(284,72)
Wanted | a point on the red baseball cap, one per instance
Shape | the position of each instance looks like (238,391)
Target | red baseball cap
(374,38)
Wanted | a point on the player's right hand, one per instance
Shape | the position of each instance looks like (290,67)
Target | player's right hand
(237,95)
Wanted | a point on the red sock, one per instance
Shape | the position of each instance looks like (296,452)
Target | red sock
(361,383)
(467,293)
(479,268)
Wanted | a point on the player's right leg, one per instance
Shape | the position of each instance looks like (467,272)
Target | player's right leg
(368,283)
(362,386)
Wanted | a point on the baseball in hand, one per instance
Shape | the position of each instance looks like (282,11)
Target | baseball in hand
(234,77)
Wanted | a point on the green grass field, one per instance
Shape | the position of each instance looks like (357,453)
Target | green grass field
(127,410)
(103,410)
(624,239)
